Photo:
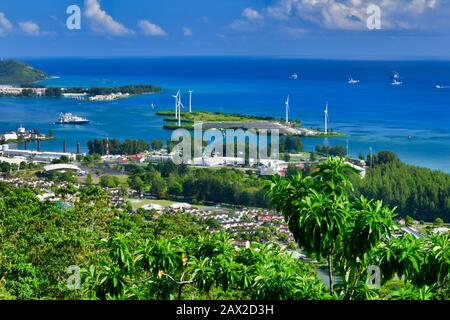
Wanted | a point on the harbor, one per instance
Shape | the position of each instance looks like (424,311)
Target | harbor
(24,135)
(360,111)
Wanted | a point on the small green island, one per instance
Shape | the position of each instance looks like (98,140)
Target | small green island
(189,118)
(220,120)
(17,72)
(18,79)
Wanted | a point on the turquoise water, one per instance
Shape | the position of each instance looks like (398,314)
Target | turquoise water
(373,113)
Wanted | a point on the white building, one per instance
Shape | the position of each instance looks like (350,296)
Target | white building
(180,206)
(8,136)
(441,230)
(270,167)
(152,206)
(361,170)
(218,161)
(5,89)
(62,168)
(35,155)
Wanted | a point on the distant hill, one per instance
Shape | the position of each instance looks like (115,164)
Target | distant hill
(17,72)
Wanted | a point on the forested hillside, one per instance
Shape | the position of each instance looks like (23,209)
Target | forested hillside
(17,72)
(418,192)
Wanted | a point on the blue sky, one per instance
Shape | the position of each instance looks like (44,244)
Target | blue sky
(311,28)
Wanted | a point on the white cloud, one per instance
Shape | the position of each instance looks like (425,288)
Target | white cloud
(151,29)
(250,13)
(30,28)
(420,6)
(5,24)
(251,21)
(101,21)
(352,14)
(187,31)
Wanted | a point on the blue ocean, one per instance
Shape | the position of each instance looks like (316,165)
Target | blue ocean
(413,119)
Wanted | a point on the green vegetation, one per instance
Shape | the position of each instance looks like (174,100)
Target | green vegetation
(17,72)
(53,92)
(115,147)
(219,186)
(188,119)
(130,89)
(156,144)
(328,135)
(439,222)
(213,117)
(353,235)
(109,181)
(288,143)
(418,192)
(336,151)
(125,256)
(57,92)
(11,167)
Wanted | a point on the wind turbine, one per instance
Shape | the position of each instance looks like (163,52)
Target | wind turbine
(190,100)
(287,110)
(326,118)
(177,96)
(179,106)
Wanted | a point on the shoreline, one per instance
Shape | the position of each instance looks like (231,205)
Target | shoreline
(15,141)
(219,120)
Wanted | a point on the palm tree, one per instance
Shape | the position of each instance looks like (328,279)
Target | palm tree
(316,208)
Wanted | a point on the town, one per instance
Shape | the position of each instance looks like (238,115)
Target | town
(245,224)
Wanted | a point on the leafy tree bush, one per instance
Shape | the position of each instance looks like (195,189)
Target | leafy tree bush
(115,147)
(438,222)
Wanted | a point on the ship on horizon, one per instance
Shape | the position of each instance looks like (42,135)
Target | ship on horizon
(69,118)
(395,77)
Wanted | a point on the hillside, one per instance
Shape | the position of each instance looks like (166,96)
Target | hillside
(17,72)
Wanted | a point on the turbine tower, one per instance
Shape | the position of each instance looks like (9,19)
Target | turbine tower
(287,110)
(179,106)
(177,96)
(326,118)
(190,100)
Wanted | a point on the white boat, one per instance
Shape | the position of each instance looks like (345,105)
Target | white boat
(395,77)
(293,76)
(353,81)
(68,118)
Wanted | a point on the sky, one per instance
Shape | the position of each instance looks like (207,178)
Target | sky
(375,29)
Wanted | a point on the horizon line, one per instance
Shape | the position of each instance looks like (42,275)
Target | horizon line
(247,56)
